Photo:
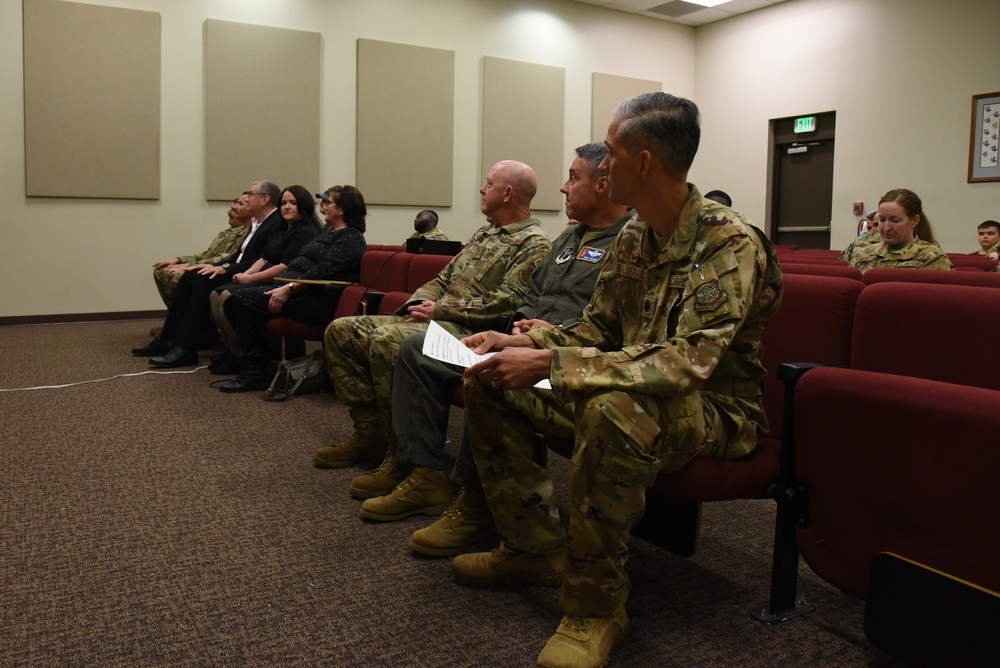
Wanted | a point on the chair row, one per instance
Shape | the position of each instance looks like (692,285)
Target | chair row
(920,348)
(964,275)
(822,256)
(383,272)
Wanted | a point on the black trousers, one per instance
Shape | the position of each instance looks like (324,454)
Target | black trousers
(190,311)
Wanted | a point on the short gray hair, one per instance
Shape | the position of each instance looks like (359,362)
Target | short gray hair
(663,124)
(594,154)
(271,189)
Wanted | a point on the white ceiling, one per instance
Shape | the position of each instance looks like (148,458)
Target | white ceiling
(679,11)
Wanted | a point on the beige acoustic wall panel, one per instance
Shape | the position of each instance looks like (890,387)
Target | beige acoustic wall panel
(406,124)
(608,91)
(91,101)
(523,120)
(262,88)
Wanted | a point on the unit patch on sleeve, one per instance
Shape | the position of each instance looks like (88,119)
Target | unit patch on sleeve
(590,254)
(709,296)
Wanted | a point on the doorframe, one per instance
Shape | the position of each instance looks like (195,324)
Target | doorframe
(780,132)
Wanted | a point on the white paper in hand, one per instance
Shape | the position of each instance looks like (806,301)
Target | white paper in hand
(441,345)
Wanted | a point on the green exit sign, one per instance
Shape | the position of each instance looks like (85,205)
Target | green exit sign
(805,124)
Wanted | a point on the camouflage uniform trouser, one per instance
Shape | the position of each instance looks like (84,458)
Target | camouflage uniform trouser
(361,352)
(622,440)
(166,283)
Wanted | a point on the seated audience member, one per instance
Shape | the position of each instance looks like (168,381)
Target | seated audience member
(867,235)
(334,255)
(720,197)
(487,280)
(188,314)
(907,239)
(989,239)
(298,210)
(663,366)
(560,288)
(166,273)
(296,231)
(426,225)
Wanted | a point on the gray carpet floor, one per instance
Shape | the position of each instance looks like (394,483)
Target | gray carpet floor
(149,520)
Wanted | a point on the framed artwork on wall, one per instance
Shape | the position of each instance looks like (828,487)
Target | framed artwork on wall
(985,138)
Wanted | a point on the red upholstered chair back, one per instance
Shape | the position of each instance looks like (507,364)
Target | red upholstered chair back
(425,268)
(926,330)
(972,277)
(813,324)
(897,464)
(815,254)
(821,269)
(385,270)
(387,247)
(978,261)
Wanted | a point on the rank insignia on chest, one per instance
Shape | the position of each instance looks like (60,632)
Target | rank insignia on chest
(566,255)
(589,254)
(709,296)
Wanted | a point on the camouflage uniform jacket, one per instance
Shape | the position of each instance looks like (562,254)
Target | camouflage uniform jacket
(863,241)
(226,243)
(915,255)
(689,317)
(489,278)
(433,234)
(564,282)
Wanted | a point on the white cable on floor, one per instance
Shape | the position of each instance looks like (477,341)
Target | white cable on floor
(97,380)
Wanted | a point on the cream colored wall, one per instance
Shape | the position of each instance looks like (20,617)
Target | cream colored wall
(91,256)
(899,73)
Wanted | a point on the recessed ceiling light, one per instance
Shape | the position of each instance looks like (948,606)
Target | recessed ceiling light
(708,3)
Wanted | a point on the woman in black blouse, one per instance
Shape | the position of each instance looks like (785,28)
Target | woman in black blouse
(334,255)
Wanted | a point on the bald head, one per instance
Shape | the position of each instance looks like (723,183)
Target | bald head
(510,186)
(520,177)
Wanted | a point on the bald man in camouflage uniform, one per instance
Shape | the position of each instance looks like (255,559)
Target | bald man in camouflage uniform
(167,273)
(488,279)
(664,366)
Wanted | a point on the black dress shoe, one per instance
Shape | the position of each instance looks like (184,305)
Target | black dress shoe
(225,365)
(157,346)
(176,357)
(247,382)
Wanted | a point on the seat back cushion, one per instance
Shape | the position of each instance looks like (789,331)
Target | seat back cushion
(939,332)
(897,464)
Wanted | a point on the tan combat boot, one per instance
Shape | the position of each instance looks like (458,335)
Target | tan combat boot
(584,642)
(425,490)
(456,528)
(506,566)
(382,479)
(357,449)
(366,444)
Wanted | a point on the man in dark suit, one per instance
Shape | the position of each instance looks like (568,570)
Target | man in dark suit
(177,343)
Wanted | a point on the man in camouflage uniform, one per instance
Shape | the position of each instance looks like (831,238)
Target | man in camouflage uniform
(426,225)
(869,238)
(916,254)
(664,366)
(168,272)
(488,279)
(560,288)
